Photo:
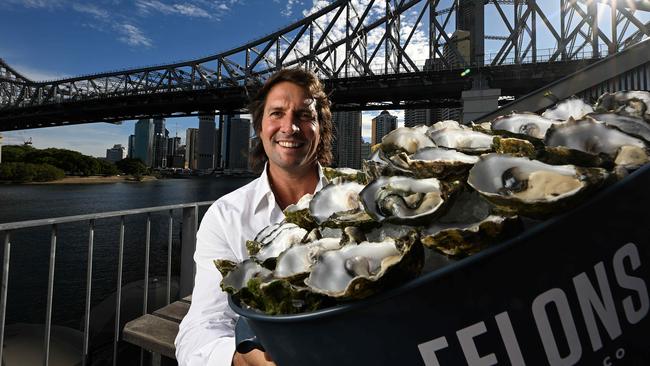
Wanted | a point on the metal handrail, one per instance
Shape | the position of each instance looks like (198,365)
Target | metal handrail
(6,230)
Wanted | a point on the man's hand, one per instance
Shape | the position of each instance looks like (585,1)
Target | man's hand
(252,358)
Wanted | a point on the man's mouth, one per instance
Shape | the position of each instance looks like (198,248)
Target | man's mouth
(290,144)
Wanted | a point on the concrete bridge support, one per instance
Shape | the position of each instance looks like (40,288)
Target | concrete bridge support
(478,102)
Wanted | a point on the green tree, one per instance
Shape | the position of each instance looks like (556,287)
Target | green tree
(107,168)
(134,167)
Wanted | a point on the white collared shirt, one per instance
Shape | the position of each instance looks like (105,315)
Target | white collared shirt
(206,336)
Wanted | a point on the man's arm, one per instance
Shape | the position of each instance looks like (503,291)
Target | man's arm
(206,334)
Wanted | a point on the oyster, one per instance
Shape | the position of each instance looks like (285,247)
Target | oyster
(470,225)
(569,108)
(298,213)
(630,125)
(357,271)
(450,124)
(528,124)
(635,103)
(408,139)
(464,140)
(273,240)
(379,165)
(532,188)
(436,162)
(591,137)
(298,260)
(338,175)
(406,200)
(238,277)
(338,205)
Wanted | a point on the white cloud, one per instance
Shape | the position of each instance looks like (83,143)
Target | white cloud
(288,8)
(185,9)
(35,74)
(132,35)
(93,10)
(47,4)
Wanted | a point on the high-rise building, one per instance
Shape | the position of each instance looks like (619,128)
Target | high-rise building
(173,144)
(131,149)
(347,150)
(365,150)
(143,142)
(415,117)
(206,141)
(191,148)
(237,134)
(160,135)
(382,125)
(115,154)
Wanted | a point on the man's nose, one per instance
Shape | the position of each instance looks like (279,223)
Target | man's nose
(289,124)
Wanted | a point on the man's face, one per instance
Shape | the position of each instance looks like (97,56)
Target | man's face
(290,128)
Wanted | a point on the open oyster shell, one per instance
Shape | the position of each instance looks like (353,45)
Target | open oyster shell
(568,108)
(635,103)
(596,139)
(358,271)
(406,200)
(532,188)
(339,205)
(380,165)
(464,139)
(273,240)
(633,126)
(297,260)
(407,139)
(436,162)
(470,225)
(298,213)
(526,124)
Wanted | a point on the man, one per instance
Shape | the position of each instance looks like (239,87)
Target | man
(293,122)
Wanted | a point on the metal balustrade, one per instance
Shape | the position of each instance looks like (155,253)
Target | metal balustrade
(189,225)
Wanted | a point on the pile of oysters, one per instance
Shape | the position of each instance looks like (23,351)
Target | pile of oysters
(431,195)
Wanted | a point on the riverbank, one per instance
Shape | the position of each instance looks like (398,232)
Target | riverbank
(98,180)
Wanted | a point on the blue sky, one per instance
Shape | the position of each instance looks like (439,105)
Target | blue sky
(52,39)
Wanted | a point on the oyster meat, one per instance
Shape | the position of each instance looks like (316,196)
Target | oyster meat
(436,162)
(298,260)
(356,271)
(470,225)
(338,205)
(464,140)
(532,188)
(407,139)
(528,124)
(404,199)
(273,240)
(588,136)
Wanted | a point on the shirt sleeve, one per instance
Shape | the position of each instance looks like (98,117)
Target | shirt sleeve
(206,336)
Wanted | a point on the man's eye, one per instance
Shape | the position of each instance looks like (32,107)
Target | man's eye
(307,117)
(276,114)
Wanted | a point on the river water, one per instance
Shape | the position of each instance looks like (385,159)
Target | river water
(30,248)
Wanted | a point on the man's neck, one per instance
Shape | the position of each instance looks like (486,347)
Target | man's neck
(288,187)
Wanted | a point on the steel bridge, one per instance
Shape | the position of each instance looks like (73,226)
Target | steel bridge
(370,54)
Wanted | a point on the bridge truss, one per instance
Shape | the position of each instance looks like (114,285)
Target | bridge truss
(347,40)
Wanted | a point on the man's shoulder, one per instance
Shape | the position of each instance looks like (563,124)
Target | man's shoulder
(240,197)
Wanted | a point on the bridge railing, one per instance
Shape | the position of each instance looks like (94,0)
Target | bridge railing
(187,231)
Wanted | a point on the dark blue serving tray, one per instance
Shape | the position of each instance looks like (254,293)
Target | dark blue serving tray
(572,290)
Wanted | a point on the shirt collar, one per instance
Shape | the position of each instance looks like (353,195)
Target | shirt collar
(264,194)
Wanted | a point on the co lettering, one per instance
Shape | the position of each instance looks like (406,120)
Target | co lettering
(618,355)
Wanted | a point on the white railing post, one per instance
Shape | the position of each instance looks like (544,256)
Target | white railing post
(188,243)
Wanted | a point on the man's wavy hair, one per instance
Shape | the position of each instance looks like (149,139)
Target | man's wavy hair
(309,82)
